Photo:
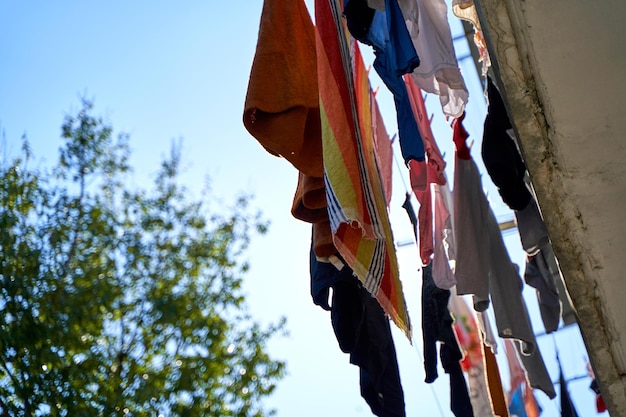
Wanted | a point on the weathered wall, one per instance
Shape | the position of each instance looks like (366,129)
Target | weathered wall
(562,65)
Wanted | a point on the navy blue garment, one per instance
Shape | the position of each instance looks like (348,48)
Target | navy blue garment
(567,407)
(395,56)
(437,328)
(324,275)
(500,154)
(362,330)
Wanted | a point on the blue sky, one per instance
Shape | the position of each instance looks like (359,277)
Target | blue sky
(164,71)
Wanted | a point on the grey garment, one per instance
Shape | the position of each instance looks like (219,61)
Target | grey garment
(512,318)
(471,211)
(536,371)
(505,287)
(532,230)
(568,313)
(543,273)
(538,276)
(503,280)
(489,337)
(483,266)
(443,237)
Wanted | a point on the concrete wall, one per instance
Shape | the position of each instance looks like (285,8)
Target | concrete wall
(562,65)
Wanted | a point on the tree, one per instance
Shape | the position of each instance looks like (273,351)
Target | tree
(116,301)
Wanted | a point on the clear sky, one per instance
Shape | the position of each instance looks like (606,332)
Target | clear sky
(162,71)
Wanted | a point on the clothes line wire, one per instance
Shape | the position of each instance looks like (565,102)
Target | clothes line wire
(412,242)
(400,171)
(432,388)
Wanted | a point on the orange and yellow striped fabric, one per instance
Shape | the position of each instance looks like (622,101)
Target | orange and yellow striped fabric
(356,202)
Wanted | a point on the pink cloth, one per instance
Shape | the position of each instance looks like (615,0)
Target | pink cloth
(424,173)
(431,149)
(383,149)
(443,237)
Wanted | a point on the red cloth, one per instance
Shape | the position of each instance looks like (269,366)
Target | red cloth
(600,405)
(459,137)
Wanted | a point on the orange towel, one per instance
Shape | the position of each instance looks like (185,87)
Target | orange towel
(282,103)
(496,392)
(282,108)
(309,202)
(323,240)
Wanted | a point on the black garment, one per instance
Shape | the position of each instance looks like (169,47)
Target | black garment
(500,154)
(410,211)
(358,18)
(567,407)
(363,331)
(437,327)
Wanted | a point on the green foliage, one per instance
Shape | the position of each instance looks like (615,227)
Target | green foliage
(122,302)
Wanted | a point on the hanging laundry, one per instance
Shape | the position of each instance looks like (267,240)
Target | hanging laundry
(383,149)
(282,107)
(595,387)
(423,123)
(410,211)
(536,371)
(424,174)
(395,55)
(567,407)
(600,405)
(519,384)
(363,331)
(466,10)
(489,337)
(517,375)
(516,404)
(494,382)
(356,204)
(443,236)
(466,331)
(282,103)
(471,212)
(438,73)
(501,155)
(483,266)
(507,170)
(537,275)
(283,112)
(437,327)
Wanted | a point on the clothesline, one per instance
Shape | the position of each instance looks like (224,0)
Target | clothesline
(326,122)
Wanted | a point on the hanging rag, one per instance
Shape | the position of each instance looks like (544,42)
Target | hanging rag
(438,72)
(354,192)
(282,103)
(467,333)
(362,330)
(437,328)
(395,56)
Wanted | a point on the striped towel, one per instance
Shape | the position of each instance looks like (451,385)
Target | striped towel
(356,202)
